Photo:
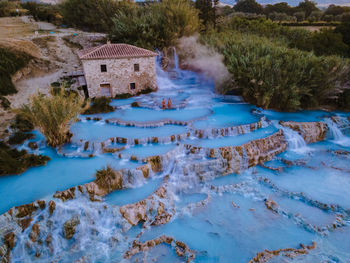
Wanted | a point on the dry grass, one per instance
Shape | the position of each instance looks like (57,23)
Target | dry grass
(23,46)
(43,42)
(54,114)
(11,27)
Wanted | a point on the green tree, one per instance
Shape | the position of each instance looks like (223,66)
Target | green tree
(300,16)
(207,11)
(344,30)
(94,15)
(345,17)
(282,7)
(316,16)
(307,7)
(248,6)
(157,25)
(334,10)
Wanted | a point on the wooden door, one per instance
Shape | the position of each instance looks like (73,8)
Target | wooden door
(106,90)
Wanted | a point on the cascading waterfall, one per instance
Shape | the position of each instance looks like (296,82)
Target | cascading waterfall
(296,142)
(176,60)
(336,133)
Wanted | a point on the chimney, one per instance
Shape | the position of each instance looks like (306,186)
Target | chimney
(108,42)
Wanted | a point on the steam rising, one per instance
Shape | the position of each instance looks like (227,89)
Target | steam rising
(199,57)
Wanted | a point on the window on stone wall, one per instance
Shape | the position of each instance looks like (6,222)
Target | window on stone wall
(136,67)
(132,85)
(103,68)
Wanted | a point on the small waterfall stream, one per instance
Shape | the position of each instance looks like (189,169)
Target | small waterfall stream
(336,133)
(176,61)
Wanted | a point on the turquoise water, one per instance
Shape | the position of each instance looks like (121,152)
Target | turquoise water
(234,140)
(100,131)
(222,218)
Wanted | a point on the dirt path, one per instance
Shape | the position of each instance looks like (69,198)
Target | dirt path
(63,58)
(54,58)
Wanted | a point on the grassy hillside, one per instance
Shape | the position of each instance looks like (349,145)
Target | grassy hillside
(11,60)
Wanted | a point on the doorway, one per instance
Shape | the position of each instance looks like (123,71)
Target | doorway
(106,90)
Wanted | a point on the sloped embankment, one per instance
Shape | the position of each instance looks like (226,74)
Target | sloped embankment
(14,56)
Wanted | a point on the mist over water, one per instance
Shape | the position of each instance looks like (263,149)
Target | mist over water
(221,217)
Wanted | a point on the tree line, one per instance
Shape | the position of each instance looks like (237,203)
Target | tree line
(305,11)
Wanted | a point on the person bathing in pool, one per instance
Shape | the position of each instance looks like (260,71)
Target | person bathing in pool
(169,103)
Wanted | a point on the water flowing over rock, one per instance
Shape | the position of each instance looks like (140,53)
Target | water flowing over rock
(247,155)
(311,131)
(151,210)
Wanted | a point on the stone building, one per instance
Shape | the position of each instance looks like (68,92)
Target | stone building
(118,69)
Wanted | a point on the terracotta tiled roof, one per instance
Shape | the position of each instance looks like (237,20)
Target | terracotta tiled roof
(115,51)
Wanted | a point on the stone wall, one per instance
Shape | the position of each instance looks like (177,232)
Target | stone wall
(120,73)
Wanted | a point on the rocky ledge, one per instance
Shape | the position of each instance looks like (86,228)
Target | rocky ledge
(310,131)
(181,249)
(267,255)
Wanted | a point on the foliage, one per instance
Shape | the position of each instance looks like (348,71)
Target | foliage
(100,105)
(324,42)
(53,115)
(344,30)
(207,11)
(307,6)
(13,161)
(22,123)
(300,16)
(19,137)
(5,103)
(93,15)
(44,12)
(248,6)
(11,8)
(282,7)
(328,42)
(266,71)
(335,10)
(155,25)
(10,62)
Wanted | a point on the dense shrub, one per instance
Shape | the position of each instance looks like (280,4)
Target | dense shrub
(19,137)
(11,8)
(248,6)
(5,103)
(22,124)
(44,12)
(99,105)
(53,115)
(13,161)
(272,75)
(10,62)
(344,30)
(328,42)
(324,42)
(155,25)
(93,15)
